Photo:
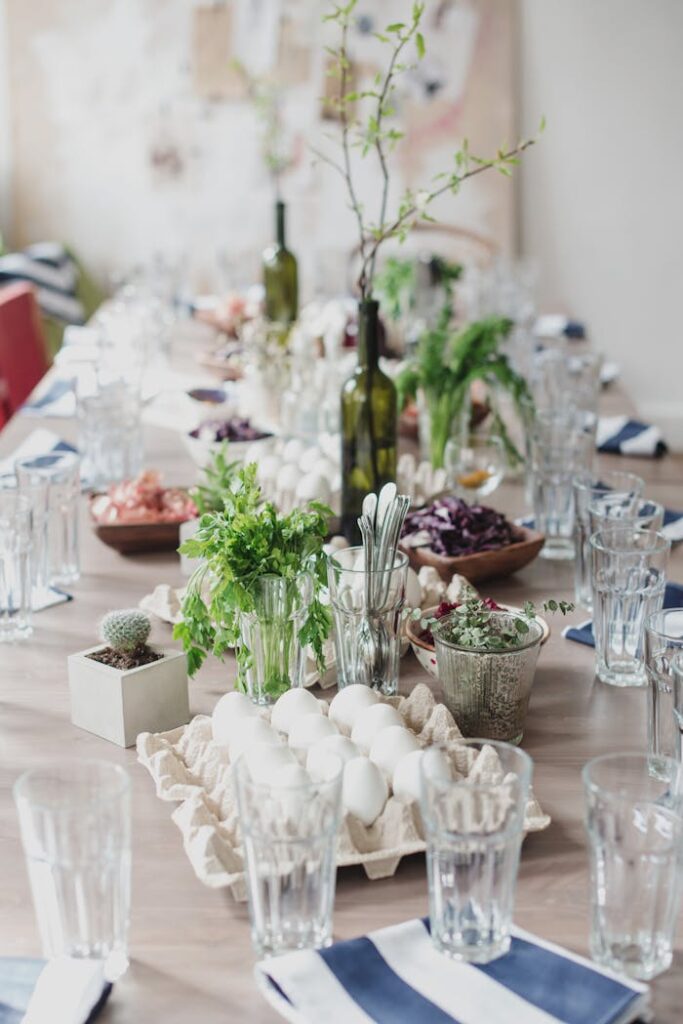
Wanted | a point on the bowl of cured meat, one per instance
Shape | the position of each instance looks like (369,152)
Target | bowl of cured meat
(473,541)
(137,516)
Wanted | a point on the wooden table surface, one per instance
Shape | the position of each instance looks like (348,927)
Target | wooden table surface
(190,947)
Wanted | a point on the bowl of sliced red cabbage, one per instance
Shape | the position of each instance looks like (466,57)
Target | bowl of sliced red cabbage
(246,441)
(475,541)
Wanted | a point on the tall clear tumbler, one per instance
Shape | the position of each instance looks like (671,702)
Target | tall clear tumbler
(15,566)
(367,619)
(588,488)
(110,434)
(663,641)
(289,833)
(633,806)
(75,828)
(474,831)
(628,577)
(54,482)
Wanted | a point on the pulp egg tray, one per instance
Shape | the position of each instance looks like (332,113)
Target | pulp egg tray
(191,770)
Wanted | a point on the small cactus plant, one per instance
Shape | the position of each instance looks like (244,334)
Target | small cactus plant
(126,630)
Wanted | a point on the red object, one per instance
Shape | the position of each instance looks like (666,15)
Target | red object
(23,359)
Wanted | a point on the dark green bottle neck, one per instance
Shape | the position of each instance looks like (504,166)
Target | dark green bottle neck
(280,224)
(368,334)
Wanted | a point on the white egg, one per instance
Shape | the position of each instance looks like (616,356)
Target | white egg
(309,458)
(349,703)
(389,746)
(228,713)
(254,453)
(265,761)
(329,444)
(313,487)
(406,778)
(308,730)
(252,731)
(371,722)
(364,790)
(318,757)
(413,590)
(293,450)
(287,477)
(293,704)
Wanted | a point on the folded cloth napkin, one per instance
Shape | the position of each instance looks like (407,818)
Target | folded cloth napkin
(38,442)
(618,435)
(396,976)
(583,632)
(672,527)
(62,991)
(58,400)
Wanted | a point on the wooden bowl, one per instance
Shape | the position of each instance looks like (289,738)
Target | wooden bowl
(485,565)
(137,538)
(424,651)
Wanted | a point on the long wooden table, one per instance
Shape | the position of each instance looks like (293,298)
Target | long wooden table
(190,946)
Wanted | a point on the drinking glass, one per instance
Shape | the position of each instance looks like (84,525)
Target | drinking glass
(626,487)
(628,577)
(633,806)
(367,619)
(53,480)
(75,829)
(35,488)
(15,566)
(663,641)
(289,833)
(473,832)
(110,434)
(615,508)
(475,465)
(677,670)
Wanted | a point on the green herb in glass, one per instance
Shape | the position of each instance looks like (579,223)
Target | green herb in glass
(220,475)
(280,275)
(478,628)
(240,545)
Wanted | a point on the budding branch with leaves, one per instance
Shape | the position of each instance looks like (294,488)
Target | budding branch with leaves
(377,134)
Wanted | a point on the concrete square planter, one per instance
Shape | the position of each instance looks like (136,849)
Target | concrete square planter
(117,704)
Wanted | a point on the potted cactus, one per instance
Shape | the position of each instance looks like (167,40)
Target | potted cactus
(123,686)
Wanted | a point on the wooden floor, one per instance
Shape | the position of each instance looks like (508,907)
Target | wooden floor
(190,947)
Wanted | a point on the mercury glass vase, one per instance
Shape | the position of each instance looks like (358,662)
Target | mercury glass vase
(487,692)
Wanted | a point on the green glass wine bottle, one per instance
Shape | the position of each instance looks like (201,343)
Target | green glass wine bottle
(368,424)
(280,275)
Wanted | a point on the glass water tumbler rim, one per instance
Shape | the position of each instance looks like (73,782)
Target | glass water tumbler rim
(604,542)
(46,462)
(523,769)
(531,639)
(655,623)
(119,784)
(619,789)
(599,481)
(400,561)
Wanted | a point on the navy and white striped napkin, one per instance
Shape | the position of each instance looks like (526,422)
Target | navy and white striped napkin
(396,976)
(50,268)
(66,990)
(619,435)
(38,442)
(583,632)
(672,527)
(59,400)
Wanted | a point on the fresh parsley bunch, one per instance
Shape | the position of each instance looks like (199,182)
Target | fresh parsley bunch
(476,627)
(244,541)
(219,477)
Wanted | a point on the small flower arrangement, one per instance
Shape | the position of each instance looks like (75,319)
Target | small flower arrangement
(475,625)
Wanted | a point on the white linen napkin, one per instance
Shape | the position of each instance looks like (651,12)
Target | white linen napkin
(67,991)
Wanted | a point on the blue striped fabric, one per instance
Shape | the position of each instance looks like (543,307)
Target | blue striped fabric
(583,633)
(54,274)
(619,435)
(396,976)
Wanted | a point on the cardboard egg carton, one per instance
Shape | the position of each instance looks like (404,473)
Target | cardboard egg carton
(191,770)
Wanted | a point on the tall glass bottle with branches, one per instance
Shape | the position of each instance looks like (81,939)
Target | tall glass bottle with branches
(367,127)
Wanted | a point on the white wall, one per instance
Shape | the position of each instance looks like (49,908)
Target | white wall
(602,194)
(5,134)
